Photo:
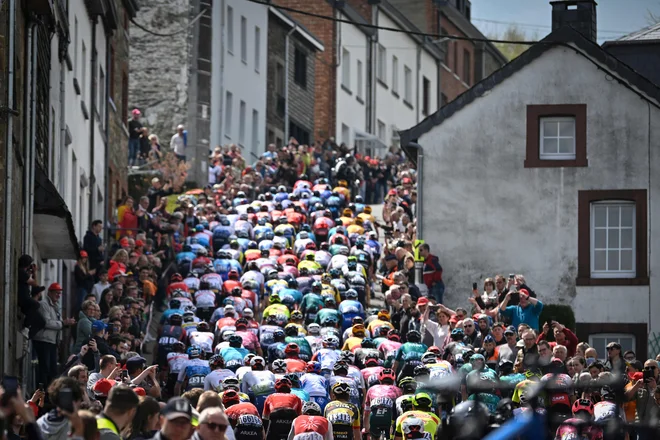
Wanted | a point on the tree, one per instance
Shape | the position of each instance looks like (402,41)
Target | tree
(512,50)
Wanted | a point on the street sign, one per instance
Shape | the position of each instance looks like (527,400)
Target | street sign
(416,246)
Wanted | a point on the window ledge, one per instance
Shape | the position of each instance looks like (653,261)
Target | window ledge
(641,281)
(407,104)
(346,89)
(547,163)
(395,94)
(360,100)
(83,107)
(112,105)
(76,85)
(382,83)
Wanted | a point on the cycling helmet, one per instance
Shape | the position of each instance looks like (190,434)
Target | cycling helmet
(230,397)
(340,367)
(283,385)
(253,245)
(429,358)
(292,349)
(468,420)
(371,360)
(257,361)
(291,330)
(341,389)
(504,410)
(407,404)
(457,334)
(278,334)
(314,367)
(347,356)
(216,361)
(175,319)
(194,351)
(414,336)
(330,341)
(176,277)
(435,350)
(230,383)
(393,335)
(313,329)
(583,405)
(408,385)
(368,343)
(296,314)
(294,378)
(279,366)
(351,294)
(203,327)
(275,298)
(241,323)
(421,370)
(311,409)
(235,340)
(386,375)
(413,427)
(175,304)
(248,357)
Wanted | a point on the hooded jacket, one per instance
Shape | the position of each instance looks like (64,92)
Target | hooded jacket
(54,427)
(51,314)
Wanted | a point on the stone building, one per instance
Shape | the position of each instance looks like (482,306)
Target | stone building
(291,80)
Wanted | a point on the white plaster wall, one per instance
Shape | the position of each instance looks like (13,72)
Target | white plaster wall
(350,111)
(429,69)
(484,213)
(242,80)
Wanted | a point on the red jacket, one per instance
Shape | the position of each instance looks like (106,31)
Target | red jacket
(570,344)
(432,271)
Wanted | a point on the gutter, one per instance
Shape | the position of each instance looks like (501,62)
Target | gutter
(30,133)
(106,152)
(287,38)
(418,74)
(9,183)
(92,102)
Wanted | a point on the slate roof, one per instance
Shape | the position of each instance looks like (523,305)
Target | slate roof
(648,33)
(564,36)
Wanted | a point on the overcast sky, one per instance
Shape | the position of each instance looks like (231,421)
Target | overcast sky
(615,17)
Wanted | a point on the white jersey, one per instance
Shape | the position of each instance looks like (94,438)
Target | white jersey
(242,371)
(203,340)
(258,382)
(205,298)
(214,380)
(175,361)
(315,342)
(314,384)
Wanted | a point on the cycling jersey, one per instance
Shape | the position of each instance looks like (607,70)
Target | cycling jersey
(301,342)
(280,312)
(250,340)
(380,401)
(314,384)
(389,350)
(195,370)
(203,340)
(233,357)
(302,394)
(258,383)
(352,343)
(295,365)
(370,375)
(213,381)
(430,421)
(355,391)
(205,298)
(344,417)
(328,357)
(311,428)
(281,400)
(175,361)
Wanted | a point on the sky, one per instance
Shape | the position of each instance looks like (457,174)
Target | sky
(615,17)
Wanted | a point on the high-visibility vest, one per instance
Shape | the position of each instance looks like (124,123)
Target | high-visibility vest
(103,423)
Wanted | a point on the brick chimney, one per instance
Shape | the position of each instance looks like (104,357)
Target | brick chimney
(578,14)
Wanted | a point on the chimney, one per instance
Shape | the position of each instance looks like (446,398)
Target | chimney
(578,14)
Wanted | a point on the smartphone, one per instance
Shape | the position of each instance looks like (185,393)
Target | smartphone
(65,399)
(647,374)
(512,276)
(124,374)
(474,286)
(10,384)
(41,387)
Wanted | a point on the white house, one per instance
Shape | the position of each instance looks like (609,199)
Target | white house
(550,168)
(238,84)
(407,76)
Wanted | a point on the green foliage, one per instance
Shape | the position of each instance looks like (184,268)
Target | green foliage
(512,50)
(563,314)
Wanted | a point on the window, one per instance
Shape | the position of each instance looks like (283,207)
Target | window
(230,29)
(612,237)
(382,131)
(279,79)
(381,68)
(359,80)
(345,135)
(124,96)
(407,82)
(599,341)
(426,96)
(75,45)
(300,68)
(244,39)
(101,104)
(228,110)
(346,69)
(83,74)
(241,124)
(257,47)
(395,75)
(467,67)
(556,136)
(111,74)
(455,65)
(255,130)
(300,133)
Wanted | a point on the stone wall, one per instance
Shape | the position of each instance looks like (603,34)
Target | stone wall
(159,66)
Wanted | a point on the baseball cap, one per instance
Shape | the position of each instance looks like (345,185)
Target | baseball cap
(524,292)
(489,338)
(140,391)
(98,325)
(136,361)
(54,287)
(510,329)
(177,407)
(83,254)
(614,345)
(102,387)
(422,301)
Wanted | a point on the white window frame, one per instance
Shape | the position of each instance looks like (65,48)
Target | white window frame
(346,134)
(592,231)
(395,74)
(229,103)
(611,337)
(382,130)
(381,66)
(359,90)
(230,30)
(242,114)
(542,136)
(346,68)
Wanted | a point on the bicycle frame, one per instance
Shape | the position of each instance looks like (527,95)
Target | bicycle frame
(529,426)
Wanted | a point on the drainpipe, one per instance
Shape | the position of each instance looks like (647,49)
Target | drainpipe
(217,57)
(30,131)
(286,83)
(106,152)
(9,183)
(92,102)
(419,266)
(419,72)
(372,61)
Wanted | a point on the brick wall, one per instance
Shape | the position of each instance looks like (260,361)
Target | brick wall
(452,83)
(325,86)
(276,35)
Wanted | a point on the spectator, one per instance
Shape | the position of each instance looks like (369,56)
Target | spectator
(46,340)
(101,285)
(134,132)
(527,312)
(213,423)
(176,421)
(562,335)
(146,422)
(178,143)
(615,362)
(157,191)
(84,277)
(508,351)
(472,335)
(93,245)
(84,328)
(52,424)
(29,294)
(432,273)
(119,411)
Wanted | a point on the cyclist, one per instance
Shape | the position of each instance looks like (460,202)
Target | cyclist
(293,362)
(340,370)
(409,355)
(342,414)
(367,347)
(380,405)
(296,387)
(408,387)
(293,337)
(234,354)
(202,337)
(258,383)
(175,361)
(468,421)
(193,371)
(311,421)
(328,355)
(315,384)
(280,409)
(420,422)
(278,345)
(213,381)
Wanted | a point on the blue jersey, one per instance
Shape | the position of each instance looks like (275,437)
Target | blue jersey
(169,312)
(195,370)
(290,296)
(222,266)
(235,265)
(349,309)
(184,256)
(202,239)
(314,384)
(281,196)
(234,357)
(302,394)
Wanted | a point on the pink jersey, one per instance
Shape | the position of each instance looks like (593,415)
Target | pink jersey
(389,348)
(381,395)
(250,340)
(370,375)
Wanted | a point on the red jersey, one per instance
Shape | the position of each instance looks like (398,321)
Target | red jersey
(229,285)
(235,411)
(303,424)
(225,322)
(280,401)
(180,285)
(295,365)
